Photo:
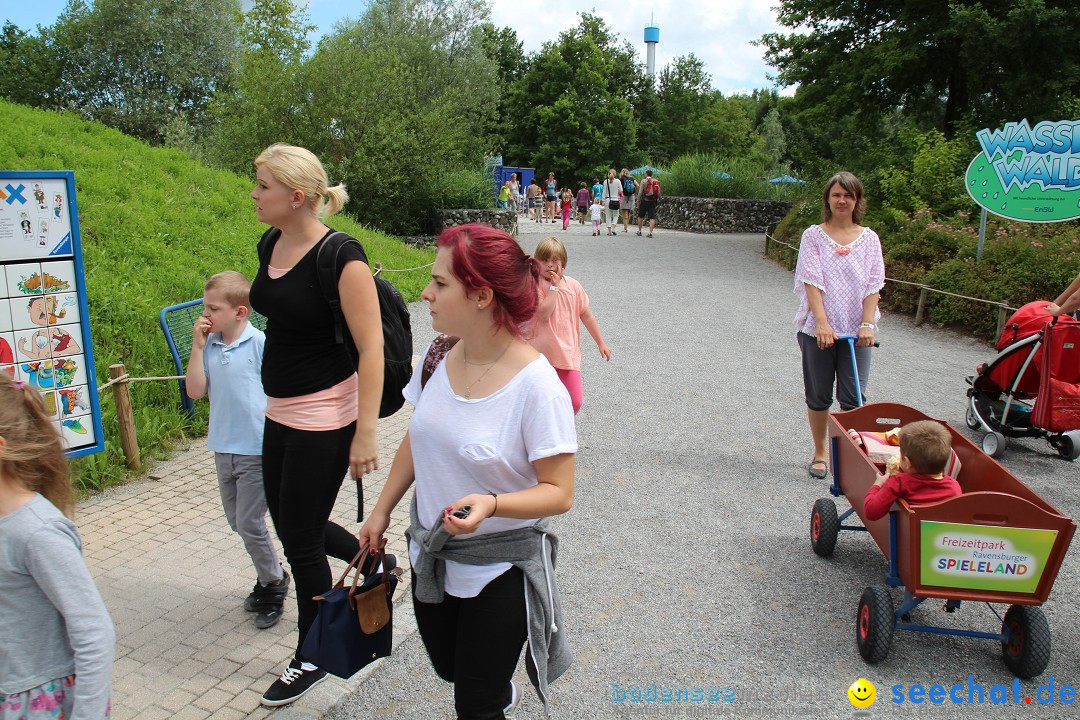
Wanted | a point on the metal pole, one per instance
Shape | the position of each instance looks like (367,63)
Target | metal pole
(982,235)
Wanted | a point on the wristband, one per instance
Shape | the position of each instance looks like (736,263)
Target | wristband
(496,508)
(869,326)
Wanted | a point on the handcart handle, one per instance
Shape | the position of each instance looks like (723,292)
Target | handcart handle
(855,365)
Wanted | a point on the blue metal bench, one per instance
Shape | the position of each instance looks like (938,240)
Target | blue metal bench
(177,322)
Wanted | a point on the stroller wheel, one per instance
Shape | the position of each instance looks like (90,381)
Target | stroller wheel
(1067,445)
(971,418)
(993,444)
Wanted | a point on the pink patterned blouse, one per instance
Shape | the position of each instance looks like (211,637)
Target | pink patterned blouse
(845,274)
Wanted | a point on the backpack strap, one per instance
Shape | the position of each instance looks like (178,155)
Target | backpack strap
(435,354)
(326,263)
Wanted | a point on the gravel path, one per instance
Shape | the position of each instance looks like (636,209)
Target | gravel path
(686,561)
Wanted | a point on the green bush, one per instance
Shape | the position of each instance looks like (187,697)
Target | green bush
(155,224)
(703,175)
(461,187)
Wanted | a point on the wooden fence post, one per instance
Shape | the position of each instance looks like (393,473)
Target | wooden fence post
(1002,318)
(922,305)
(124,416)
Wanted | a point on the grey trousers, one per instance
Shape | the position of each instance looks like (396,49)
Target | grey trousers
(240,480)
(824,368)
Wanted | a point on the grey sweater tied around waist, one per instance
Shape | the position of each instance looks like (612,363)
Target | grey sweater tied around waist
(533,549)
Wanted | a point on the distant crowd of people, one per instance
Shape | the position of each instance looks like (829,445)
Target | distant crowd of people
(606,203)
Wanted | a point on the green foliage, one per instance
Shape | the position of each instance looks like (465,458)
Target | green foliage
(395,96)
(263,106)
(460,187)
(703,175)
(155,224)
(134,66)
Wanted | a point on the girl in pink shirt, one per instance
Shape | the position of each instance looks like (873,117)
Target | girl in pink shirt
(557,327)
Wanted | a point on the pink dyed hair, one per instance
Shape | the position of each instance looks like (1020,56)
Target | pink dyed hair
(484,256)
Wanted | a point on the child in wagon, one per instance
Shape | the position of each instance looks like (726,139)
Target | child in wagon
(925,449)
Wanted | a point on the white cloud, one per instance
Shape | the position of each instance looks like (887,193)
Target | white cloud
(719,32)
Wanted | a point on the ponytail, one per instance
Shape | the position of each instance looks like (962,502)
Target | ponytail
(34,453)
(335,199)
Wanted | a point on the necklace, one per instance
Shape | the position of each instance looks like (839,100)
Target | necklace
(465,359)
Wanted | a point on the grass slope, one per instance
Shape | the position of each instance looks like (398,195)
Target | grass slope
(155,224)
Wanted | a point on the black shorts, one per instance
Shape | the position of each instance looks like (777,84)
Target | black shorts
(550,198)
(647,208)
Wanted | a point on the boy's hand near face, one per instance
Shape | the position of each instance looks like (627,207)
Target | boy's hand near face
(199,333)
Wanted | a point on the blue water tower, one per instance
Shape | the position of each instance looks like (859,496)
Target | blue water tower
(652,37)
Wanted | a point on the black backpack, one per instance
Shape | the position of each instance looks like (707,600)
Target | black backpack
(397,330)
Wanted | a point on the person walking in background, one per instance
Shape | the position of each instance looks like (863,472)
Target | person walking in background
(582,203)
(838,278)
(556,331)
(533,197)
(650,196)
(628,202)
(551,195)
(596,212)
(515,193)
(56,657)
(504,196)
(226,362)
(612,193)
(490,448)
(597,190)
(566,206)
(323,396)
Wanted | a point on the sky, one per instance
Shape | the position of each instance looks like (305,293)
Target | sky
(719,32)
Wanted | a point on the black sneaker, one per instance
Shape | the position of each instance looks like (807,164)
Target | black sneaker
(293,683)
(268,601)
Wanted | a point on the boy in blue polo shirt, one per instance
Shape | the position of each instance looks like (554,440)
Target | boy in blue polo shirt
(226,361)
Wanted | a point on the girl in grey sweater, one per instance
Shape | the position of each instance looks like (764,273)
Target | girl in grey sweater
(57,649)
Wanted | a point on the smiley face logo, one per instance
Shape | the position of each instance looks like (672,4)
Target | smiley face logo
(862,693)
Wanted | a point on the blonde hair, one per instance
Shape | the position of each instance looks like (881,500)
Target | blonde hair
(34,453)
(234,287)
(854,186)
(298,169)
(927,445)
(624,172)
(550,247)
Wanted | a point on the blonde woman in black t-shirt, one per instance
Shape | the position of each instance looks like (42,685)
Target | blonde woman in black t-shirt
(322,396)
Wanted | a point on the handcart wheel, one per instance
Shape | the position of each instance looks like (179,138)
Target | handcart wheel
(971,418)
(1027,651)
(1067,446)
(993,444)
(824,527)
(874,624)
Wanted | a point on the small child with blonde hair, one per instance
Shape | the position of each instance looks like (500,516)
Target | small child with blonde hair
(925,449)
(556,330)
(56,656)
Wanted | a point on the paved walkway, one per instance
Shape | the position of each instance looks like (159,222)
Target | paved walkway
(685,562)
(174,576)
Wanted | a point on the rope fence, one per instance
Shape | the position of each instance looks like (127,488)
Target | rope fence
(924,290)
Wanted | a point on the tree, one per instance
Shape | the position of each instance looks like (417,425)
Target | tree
(267,100)
(395,97)
(979,61)
(137,66)
(572,109)
(501,46)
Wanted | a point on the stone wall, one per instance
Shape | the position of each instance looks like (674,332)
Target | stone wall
(503,219)
(720,215)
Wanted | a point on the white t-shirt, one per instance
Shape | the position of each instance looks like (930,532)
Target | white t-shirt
(483,445)
(612,189)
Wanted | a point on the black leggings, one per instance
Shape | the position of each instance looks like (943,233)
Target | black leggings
(475,643)
(302,473)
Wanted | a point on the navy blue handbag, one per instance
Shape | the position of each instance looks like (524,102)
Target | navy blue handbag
(355,623)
